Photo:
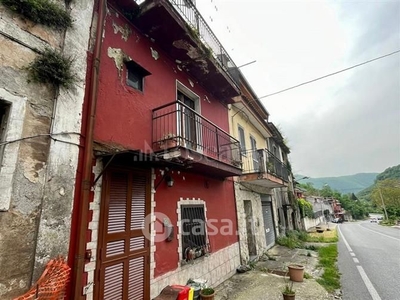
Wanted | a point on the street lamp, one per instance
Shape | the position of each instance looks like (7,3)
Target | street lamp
(305,177)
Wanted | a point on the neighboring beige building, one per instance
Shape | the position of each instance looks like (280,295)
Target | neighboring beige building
(37,160)
(262,192)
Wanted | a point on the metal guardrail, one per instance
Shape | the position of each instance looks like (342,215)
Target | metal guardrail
(263,161)
(176,124)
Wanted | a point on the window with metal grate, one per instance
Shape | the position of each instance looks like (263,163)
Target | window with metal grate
(194,235)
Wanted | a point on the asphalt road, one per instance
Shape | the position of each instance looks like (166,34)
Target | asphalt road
(369,261)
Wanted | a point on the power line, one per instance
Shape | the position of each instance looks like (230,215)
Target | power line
(331,74)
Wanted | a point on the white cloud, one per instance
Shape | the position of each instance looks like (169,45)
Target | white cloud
(344,124)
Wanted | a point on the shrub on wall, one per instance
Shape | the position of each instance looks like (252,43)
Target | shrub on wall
(52,67)
(41,11)
(306,208)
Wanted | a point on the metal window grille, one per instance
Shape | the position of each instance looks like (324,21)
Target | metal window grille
(194,236)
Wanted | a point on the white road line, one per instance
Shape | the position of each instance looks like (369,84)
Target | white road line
(396,239)
(344,240)
(352,254)
(374,294)
(356,260)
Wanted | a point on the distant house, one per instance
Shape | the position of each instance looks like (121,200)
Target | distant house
(264,193)
(323,211)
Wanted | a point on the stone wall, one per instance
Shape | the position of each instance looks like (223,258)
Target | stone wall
(215,268)
(251,193)
(37,173)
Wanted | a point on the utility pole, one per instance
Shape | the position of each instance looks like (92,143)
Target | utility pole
(383,203)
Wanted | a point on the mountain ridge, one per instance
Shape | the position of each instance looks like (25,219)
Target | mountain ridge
(344,184)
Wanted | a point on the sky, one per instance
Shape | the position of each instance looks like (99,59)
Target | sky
(342,125)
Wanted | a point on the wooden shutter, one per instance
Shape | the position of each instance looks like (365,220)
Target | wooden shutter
(124,255)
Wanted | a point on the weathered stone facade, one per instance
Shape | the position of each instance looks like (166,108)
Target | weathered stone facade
(252,193)
(37,174)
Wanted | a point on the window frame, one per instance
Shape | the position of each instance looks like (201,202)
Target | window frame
(138,71)
(242,149)
(4,120)
(189,252)
(13,132)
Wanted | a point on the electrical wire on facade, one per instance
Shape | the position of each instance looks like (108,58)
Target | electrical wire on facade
(44,135)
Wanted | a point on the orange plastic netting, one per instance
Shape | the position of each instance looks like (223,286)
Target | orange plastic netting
(51,285)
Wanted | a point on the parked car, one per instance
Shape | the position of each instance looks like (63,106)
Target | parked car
(337,220)
(374,220)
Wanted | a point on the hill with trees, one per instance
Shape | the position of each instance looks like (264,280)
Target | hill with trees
(384,194)
(343,184)
(381,192)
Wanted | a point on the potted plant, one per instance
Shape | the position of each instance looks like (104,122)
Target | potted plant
(207,293)
(288,292)
(168,141)
(296,272)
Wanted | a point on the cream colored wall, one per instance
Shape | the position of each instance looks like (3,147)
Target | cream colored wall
(236,119)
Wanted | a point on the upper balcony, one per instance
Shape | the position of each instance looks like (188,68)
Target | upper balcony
(181,134)
(180,30)
(262,168)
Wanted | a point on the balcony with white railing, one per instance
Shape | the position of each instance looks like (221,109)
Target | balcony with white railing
(262,168)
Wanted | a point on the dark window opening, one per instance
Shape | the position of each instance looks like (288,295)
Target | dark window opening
(135,75)
(242,140)
(4,115)
(194,236)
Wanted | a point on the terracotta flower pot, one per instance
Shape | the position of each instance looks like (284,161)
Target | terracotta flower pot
(296,273)
(167,144)
(207,297)
(289,296)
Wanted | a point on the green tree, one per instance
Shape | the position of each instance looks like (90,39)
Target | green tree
(386,195)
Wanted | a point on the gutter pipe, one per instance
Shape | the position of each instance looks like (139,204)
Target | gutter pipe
(85,187)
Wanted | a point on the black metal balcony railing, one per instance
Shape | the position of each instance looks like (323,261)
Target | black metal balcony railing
(263,161)
(176,124)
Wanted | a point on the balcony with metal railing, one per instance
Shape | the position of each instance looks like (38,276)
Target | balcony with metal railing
(181,31)
(261,167)
(182,134)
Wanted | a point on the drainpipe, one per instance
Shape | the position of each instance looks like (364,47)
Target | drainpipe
(237,220)
(83,206)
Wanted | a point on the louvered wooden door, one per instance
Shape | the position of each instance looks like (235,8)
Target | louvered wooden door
(123,264)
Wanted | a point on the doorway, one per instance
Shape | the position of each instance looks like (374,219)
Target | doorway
(123,264)
(269,227)
(189,120)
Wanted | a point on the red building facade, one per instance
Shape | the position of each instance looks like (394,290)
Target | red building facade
(162,207)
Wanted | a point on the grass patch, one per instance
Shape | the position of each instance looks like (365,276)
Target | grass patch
(307,276)
(44,12)
(290,242)
(330,280)
(296,239)
(387,222)
(323,237)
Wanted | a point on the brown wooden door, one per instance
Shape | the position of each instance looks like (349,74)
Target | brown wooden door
(124,252)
